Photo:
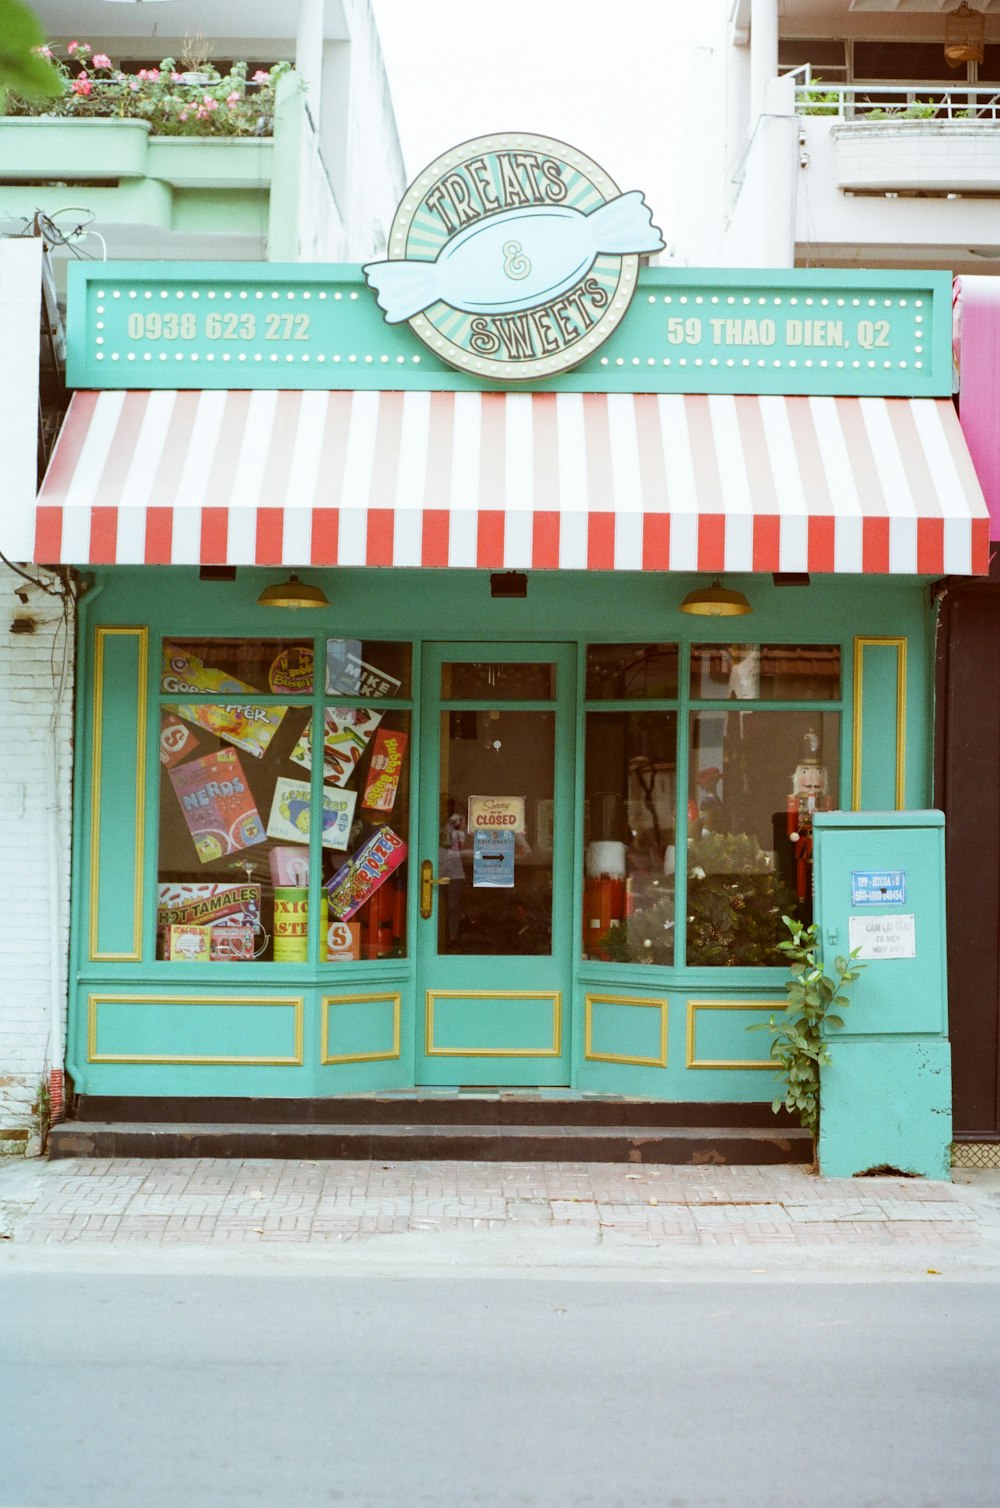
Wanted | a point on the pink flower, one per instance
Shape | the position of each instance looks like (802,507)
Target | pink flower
(72,49)
(101,60)
(209,104)
(260,77)
(174,77)
(234,98)
(134,85)
(183,115)
(43,52)
(82,85)
(151,75)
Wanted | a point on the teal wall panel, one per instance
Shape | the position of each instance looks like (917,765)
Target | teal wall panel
(362,1027)
(212,1030)
(527,1023)
(879,724)
(117,793)
(626,1028)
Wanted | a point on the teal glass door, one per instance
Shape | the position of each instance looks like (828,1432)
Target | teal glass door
(495,866)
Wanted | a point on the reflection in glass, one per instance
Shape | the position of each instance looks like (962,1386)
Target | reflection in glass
(617,672)
(367,668)
(756,778)
(630,853)
(202,667)
(234,834)
(498,681)
(766,672)
(495,832)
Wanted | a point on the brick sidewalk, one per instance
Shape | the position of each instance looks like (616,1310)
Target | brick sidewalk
(217,1202)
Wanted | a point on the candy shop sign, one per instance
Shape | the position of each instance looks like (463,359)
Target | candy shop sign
(513,256)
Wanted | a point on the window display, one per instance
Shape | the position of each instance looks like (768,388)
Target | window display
(755,780)
(237,803)
(630,836)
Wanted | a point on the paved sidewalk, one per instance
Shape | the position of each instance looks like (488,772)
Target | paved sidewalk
(641,1213)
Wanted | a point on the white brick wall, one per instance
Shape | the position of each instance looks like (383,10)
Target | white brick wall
(36,695)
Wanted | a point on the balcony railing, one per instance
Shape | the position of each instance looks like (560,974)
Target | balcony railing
(894,103)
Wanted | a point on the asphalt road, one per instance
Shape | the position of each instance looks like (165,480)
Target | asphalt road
(128,1389)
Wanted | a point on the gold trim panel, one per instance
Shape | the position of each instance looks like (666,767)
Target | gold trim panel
(860,645)
(297,1002)
(606,1057)
(325,1057)
(97,739)
(555,996)
(694,1006)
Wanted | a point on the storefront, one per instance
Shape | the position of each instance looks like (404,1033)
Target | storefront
(562,811)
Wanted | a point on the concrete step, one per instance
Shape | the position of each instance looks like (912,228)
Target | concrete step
(398,1142)
(429,1107)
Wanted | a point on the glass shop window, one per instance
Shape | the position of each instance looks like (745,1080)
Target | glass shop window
(237,811)
(624,672)
(201,667)
(765,672)
(630,825)
(756,777)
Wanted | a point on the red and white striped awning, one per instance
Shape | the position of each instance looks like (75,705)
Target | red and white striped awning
(513,480)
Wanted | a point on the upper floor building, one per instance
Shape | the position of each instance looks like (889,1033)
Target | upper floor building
(846,133)
(270,135)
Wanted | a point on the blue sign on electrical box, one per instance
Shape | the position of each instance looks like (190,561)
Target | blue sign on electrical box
(878,887)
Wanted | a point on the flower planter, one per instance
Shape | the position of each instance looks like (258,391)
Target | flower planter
(45,149)
(242,162)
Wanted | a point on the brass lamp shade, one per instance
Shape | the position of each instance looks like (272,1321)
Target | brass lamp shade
(292,593)
(716,601)
(964,36)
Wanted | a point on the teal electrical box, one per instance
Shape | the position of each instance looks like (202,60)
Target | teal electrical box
(886,1096)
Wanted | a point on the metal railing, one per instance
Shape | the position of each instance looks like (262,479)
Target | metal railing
(878,102)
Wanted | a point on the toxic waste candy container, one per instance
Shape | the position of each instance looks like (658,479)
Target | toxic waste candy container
(886,1096)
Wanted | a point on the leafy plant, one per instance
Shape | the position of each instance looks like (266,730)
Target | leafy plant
(798,1045)
(813,101)
(41,1111)
(190,101)
(22,67)
(735,902)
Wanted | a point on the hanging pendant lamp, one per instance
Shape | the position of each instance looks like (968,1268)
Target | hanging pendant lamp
(292,593)
(716,601)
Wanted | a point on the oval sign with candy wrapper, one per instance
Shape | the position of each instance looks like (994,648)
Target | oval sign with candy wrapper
(513,256)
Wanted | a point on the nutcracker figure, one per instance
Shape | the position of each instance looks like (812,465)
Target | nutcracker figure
(809,794)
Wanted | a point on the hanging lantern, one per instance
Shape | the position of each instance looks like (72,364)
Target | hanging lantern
(964,36)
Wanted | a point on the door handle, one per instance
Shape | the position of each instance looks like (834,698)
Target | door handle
(427,883)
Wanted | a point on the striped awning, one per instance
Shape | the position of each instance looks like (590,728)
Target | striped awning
(513,481)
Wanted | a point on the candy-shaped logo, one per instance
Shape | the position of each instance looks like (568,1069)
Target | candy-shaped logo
(513,256)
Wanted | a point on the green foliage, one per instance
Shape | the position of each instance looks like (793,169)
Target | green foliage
(196,101)
(41,1111)
(916,110)
(735,902)
(647,936)
(798,1046)
(23,69)
(734,909)
(813,101)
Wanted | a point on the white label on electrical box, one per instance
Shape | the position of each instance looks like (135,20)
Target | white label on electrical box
(883,936)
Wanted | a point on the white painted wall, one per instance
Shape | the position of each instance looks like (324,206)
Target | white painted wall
(36,698)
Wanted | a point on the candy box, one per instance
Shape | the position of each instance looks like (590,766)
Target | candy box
(357,880)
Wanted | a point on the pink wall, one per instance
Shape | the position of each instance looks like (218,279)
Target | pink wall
(976,346)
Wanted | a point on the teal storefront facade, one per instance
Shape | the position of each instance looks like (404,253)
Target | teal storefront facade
(142,1024)
(560,814)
